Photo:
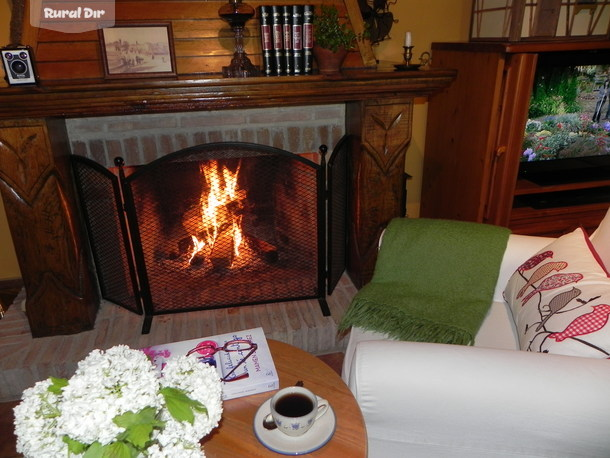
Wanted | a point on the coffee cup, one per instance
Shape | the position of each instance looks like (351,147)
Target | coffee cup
(295,409)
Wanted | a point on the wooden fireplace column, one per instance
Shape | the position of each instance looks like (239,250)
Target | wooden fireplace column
(39,195)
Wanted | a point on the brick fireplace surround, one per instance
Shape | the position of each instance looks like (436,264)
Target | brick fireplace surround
(142,138)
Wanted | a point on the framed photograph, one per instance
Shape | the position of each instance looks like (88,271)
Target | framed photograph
(143,50)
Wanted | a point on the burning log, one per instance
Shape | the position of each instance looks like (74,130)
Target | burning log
(223,251)
(185,245)
(266,250)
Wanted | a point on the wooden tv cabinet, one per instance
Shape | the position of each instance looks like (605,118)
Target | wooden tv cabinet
(474,142)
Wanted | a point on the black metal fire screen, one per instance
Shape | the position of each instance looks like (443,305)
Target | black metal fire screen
(214,225)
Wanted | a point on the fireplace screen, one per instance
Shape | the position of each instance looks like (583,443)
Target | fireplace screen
(215,225)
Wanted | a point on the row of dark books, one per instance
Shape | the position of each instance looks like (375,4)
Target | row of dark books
(287,39)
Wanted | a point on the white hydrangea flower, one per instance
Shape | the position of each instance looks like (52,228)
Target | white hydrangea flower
(178,450)
(107,384)
(110,383)
(200,382)
(36,421)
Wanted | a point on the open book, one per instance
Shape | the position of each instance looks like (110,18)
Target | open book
(242,359)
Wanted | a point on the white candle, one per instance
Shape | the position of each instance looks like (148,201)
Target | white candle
(408,39)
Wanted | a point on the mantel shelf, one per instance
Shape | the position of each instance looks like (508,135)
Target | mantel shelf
(131,97)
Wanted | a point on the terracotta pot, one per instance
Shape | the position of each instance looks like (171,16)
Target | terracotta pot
(329,62)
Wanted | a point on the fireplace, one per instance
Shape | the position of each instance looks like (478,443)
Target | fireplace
(215,225)
(38,193)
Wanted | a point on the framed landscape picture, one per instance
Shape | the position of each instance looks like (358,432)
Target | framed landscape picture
(142,50)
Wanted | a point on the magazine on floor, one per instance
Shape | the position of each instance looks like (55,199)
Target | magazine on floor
(242,359)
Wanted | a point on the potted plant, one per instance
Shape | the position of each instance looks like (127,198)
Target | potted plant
(332,40)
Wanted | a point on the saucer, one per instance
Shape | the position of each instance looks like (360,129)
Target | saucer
(317,436)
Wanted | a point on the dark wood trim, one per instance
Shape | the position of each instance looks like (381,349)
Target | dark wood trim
(139,97)
(16,283)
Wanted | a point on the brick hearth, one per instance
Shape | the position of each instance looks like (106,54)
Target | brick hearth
(25,360)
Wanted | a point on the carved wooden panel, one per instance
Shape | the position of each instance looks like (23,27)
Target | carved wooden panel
(378,177)
(41,215)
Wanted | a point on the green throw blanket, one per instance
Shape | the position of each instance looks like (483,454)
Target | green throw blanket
(434,281)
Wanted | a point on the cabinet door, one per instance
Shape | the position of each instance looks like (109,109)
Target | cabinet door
(505,155)
(461,135)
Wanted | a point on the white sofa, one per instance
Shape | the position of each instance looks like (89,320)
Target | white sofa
(486,400)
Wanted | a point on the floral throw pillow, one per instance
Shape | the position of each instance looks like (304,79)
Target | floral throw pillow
(560,299)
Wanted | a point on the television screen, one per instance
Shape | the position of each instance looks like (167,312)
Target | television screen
(568,126)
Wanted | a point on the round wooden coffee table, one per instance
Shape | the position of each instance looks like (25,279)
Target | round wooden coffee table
(235,435)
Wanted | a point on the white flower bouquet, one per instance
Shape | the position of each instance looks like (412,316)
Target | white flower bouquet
(115,405)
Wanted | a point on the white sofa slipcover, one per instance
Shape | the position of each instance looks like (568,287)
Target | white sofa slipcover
(486,400)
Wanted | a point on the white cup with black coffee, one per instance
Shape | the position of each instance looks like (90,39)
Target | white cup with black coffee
(295,409)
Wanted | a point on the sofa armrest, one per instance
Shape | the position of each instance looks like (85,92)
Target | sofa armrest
(468,401)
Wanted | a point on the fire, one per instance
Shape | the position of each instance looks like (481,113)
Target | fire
(219,231)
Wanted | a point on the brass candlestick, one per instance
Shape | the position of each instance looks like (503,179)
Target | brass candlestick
(237,14)
(408,54)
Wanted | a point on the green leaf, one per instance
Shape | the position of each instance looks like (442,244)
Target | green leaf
(74,446)
(57,385)
(138,426)
(118,450)
(112,450)
(94,451)
(180,406)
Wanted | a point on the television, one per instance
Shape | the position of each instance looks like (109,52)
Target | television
(567,134)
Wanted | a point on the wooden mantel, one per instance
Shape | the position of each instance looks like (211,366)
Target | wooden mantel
(139,97)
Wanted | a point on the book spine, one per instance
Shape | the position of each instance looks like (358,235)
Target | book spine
(266,39)
(297,39)
(287,39)
(308,11)
(278,39)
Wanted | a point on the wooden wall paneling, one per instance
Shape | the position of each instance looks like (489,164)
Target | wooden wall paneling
(203,43)
(61,71)
(68,51)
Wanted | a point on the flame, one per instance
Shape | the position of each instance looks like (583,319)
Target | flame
(220,208)
(197,247)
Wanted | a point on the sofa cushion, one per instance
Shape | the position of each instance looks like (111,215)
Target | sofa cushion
(560,299)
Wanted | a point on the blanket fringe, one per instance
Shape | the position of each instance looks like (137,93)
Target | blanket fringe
(401,325)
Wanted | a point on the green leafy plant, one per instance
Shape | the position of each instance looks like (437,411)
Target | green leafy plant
(330,32)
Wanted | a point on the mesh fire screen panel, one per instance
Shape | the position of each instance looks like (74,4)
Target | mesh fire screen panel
(225,224)
(338,197)
(100,201)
